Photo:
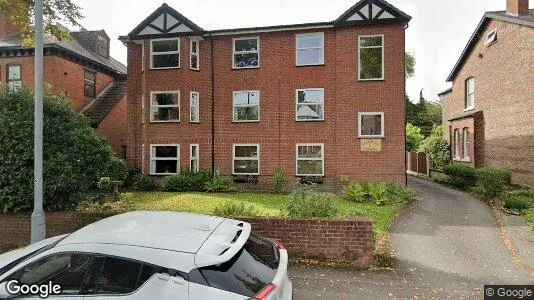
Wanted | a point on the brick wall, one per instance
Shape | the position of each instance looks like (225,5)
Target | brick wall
(277,79)
(504,89)
(114,127)
(348,241)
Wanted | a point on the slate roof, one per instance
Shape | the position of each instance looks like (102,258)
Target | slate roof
(522,20)
(98,109)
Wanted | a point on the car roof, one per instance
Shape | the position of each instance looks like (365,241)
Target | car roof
(173,231)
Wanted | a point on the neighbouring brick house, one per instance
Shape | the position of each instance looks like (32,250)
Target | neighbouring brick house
(317,100)
(489,111)
(81,68)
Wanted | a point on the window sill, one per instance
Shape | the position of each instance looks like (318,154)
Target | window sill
(163,174)
(167,68)
(371,137)
(371,80)
(457,159)
(469,108)
(310,65)
(237,122)
(196,70)
(194,122)
(246,68)
(163,122)
(468,160)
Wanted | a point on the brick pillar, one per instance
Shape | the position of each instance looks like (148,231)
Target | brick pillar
(517,7)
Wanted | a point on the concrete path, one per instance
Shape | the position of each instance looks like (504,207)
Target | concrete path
(447,245)
(522,237)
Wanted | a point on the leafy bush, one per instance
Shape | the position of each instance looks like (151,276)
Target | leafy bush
(460,175)
(516,202)
(186,182)
(414,138)
(355,192)
(379,193)
(492,181)
(142,182)
(125,203)
(104,184)
(400,194)
(306,203)
(279,181)
(219,184)
(232,209)
(129,179)
(438,149)
(75,157)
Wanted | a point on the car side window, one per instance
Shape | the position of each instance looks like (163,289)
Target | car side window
(118,276)
(66,270)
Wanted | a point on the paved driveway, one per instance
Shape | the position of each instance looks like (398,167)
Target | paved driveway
(447,245)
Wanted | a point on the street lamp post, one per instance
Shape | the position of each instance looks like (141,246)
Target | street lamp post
(38,222)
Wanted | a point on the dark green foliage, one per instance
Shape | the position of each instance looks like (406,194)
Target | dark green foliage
(142,182)
(492,181)
(235,209)
(306,203)
(414,138)
(517,203)
(75,157)
(279,181)
(356,192)
(400,194)
(460,175)
(379,193)
(219,184)
(438,149)
(104,184)
(423,114)
(186,181)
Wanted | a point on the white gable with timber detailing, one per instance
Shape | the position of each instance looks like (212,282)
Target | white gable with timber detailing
(163,24)
(371,12)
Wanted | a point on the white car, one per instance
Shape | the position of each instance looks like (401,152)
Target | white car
(150,255)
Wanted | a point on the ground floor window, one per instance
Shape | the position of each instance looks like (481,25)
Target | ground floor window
(164,159)
(467,144)
(194,158)
(457,144)
(246,159)
(310,160)
(14,77)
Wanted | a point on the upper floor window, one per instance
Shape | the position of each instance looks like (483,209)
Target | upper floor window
(310,49)
(194,63)
(246,106)
(246,53)
(89,84)
(246,160)
(467,144)
(470,93)
(371,57)
(14,77)
(310,160)
(165,53)
(194,115)
(457,144)
(164,159)
(310,104)
(165,106)
(371,124)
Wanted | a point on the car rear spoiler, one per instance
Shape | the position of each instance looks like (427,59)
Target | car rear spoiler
(223,243)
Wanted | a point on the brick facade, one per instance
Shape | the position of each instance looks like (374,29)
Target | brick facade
(504,89)
(347,241)
(277,80)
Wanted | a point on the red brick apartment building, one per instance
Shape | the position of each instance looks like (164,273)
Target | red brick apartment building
(316,100)
(490,108)
(81,68)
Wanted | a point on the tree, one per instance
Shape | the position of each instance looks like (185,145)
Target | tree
(438,149)
(21,13)
(423,114)
(75,157)
(414,138)
(409,60)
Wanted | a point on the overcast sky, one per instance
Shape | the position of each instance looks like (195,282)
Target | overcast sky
(437,33)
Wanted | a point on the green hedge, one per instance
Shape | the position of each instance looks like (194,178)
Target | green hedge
(461,175)
(187,181)
(485,182)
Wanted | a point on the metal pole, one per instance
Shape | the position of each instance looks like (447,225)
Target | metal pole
(38,222)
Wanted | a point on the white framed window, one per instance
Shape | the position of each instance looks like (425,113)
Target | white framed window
(310,49)
(165,53)
(143,57)
(164,159)
(371,57)
(246,53)
(470,93)
(310,104)
(371,125)
(194,55)
(194,157)
(467,144)
(246,106)
(309,159)
(14,77)
(165,106)
(194,107)
(457,144)
(491,38)
(246,159)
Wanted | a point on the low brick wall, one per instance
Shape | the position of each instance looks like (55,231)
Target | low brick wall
(344,241)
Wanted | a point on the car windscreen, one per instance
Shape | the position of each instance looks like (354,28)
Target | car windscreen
(249,271)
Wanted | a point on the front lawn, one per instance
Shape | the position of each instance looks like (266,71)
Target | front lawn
(265,204)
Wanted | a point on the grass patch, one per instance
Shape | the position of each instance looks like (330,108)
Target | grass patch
(529,215)
(266,205)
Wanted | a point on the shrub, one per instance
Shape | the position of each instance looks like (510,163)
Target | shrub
(94,207)
(516,202)
(232,209)
(142,182)
(355,192)
(126,202)
(378,192)
(186,182)
(75,157)
(414,138)
(460,175)
(219,184)
(279,181)
(400,194)
(104,184)
(129,179)
(492,181)
(438,149)
(305,203)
